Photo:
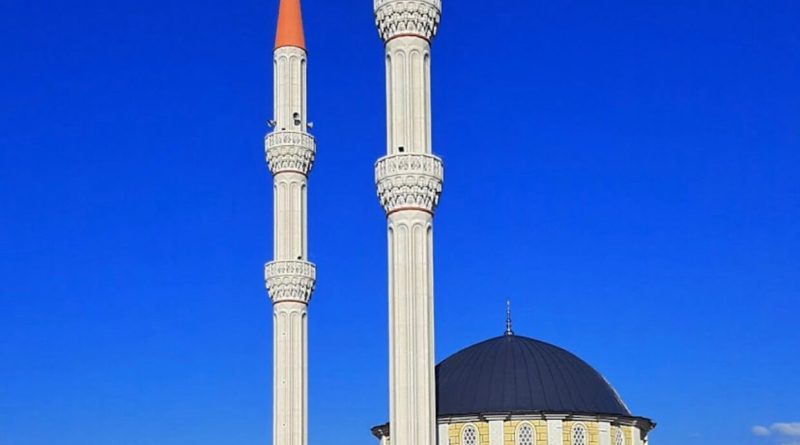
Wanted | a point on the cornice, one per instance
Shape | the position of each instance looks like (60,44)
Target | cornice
(409,181)
(289,151)
(290,281)
(407,17)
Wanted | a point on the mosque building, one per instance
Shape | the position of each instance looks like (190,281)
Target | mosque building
(508,390)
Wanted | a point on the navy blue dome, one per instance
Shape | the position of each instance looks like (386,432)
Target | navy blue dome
(519,374)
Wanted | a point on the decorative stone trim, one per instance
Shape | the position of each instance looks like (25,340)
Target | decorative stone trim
(289,151)
(290,280)
(407,17)
(409,181)
(638,422)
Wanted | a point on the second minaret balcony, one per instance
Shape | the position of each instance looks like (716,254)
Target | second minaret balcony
(289,151)
(409,181)
(290,280)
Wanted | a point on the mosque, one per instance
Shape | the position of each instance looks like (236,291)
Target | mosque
(508,390)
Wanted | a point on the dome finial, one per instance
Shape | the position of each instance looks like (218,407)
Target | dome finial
(509,331)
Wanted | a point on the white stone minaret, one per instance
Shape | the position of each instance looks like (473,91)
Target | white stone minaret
(409,181)
(290,277)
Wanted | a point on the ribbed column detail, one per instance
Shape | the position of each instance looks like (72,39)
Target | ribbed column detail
(290,88)
(290,216)
(408,95)
(290,379)
(412,379)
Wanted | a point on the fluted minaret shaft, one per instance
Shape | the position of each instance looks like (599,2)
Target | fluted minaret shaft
(290,278)
(409,181)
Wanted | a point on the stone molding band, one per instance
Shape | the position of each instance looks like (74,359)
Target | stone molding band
(289,151)
(290,280)
(409,181)
(407,17)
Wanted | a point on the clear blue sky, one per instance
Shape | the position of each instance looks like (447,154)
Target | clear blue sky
(626,172)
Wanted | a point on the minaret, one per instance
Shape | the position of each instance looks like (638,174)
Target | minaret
(290,277)
(409,181)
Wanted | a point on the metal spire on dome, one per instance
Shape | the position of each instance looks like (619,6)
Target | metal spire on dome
(509,331)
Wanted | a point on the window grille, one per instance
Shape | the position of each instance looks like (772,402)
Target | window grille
(469,435)
(579,435)
(525,434)
(619,438)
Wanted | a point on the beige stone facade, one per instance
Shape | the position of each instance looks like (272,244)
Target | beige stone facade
(632,434)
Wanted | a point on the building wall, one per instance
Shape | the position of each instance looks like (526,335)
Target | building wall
(456,429)
(510,431)
(540,429)
(592,428)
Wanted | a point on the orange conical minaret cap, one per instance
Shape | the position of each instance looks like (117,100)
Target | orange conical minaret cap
(290,25)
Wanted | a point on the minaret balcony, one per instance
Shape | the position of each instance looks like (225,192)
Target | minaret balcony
(396,18)
(289,151)
(409,181)
(292,280)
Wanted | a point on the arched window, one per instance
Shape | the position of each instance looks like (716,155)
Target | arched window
(619,438)
(525,435)
(469,435)
(579,435)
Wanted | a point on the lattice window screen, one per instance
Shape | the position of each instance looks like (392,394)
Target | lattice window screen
(619,437)
(579,436)
(525,434)
(469,435)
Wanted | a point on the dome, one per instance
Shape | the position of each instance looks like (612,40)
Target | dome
(514,374)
